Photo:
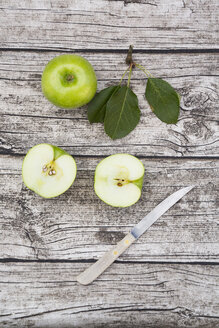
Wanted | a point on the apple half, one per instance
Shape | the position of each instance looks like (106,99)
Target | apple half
(48,170)
(118,180)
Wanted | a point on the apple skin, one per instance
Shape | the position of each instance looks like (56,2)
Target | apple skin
(69,81)
(139,182)
(58,152)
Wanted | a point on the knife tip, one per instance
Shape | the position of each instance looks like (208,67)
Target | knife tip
(190,188)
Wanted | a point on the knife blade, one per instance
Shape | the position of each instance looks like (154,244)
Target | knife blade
(92,272)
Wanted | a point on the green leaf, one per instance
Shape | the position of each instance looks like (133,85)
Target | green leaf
(179,97)
(97,106)
(122,113)
(163,100)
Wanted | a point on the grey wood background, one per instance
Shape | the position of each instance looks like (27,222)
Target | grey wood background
(170,277)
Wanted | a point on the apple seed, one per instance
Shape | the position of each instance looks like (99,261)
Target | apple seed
(44,168)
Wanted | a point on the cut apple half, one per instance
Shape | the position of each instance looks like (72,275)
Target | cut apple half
(48,170)
(118,180)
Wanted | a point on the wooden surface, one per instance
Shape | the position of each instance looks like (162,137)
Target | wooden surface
(169,277)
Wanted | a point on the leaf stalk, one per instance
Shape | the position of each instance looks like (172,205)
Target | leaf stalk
(143,69)
(130,73)
(123,75)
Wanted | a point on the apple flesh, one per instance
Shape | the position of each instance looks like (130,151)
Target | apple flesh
(118,180)
(48,170)
(69,81)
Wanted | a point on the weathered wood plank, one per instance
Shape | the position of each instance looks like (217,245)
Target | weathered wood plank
(149,295)
(108,24)
(77,225)
(27,118)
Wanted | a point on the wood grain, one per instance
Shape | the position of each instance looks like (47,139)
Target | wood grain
(27,118)
(67,25)
(149,295)
(78,225)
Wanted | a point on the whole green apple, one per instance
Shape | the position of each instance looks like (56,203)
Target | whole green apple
(69,81)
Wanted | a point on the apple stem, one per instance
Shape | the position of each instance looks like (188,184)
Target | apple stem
(70,77)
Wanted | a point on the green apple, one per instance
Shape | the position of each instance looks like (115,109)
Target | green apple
(69,81)
(48,170)
(118,180)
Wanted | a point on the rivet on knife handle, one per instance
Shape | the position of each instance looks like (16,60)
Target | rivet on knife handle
(91,273)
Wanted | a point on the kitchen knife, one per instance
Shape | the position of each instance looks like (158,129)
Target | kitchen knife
(91,273)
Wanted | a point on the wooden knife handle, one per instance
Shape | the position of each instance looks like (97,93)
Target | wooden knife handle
(91,273)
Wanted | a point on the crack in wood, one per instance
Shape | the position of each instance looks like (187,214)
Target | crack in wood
(18,260)
(115,50)
(142,2)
